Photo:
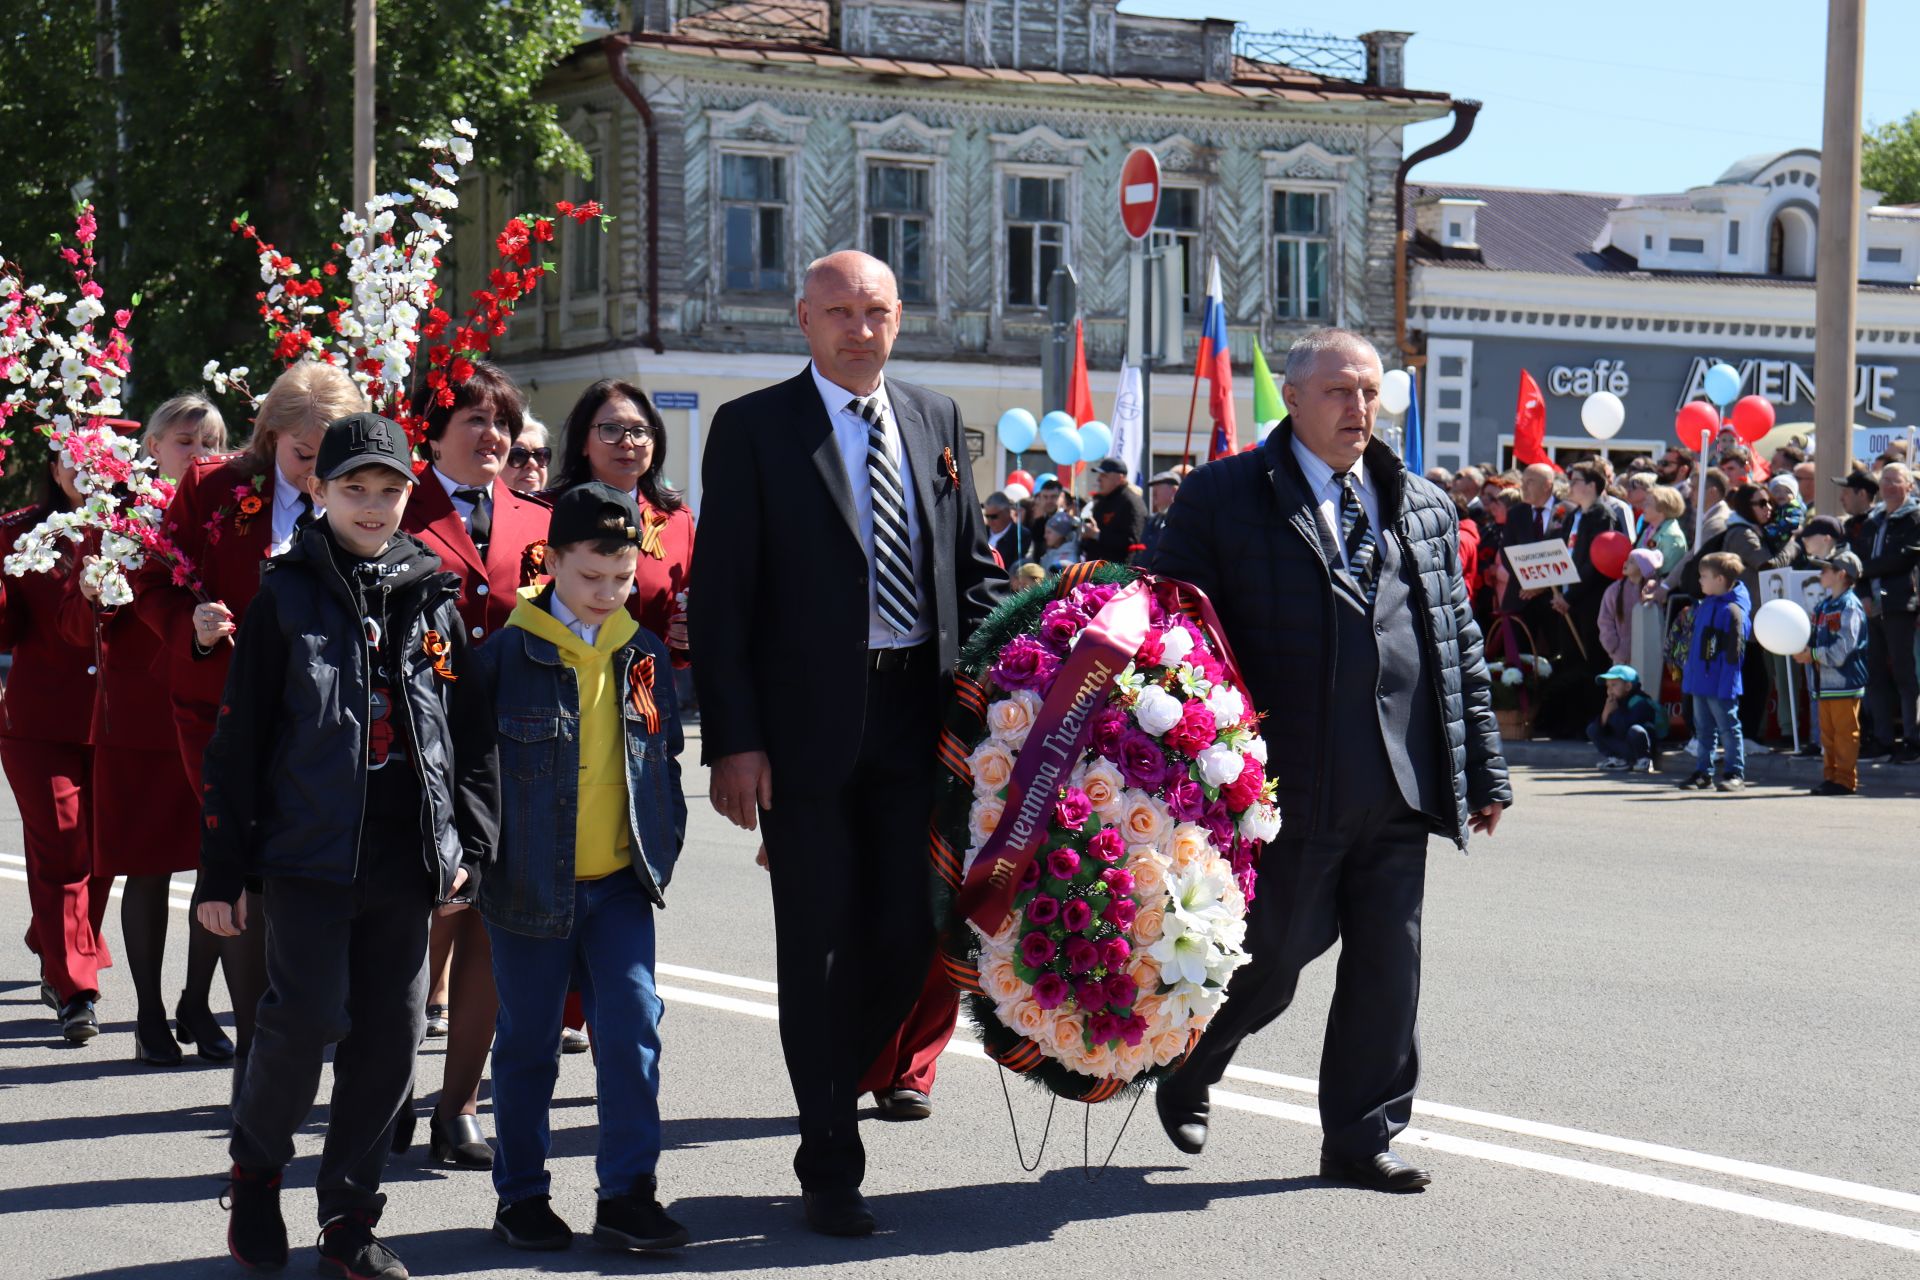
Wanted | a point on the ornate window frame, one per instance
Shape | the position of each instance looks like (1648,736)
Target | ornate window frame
(757,129)
(1038,152)
(904,139)
(1305,167)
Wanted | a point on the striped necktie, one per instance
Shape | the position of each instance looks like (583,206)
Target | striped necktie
(1357,537)
(894,593)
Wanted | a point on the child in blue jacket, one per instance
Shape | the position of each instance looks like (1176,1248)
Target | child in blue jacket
(1722,624)
(1837,652)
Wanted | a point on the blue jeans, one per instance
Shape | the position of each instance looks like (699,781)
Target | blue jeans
(1721,716)
(613,940)
(1631,744)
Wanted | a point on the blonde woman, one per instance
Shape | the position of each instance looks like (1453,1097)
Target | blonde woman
(229,514)
(1664,533)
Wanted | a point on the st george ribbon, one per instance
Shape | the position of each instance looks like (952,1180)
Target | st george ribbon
(1059,735)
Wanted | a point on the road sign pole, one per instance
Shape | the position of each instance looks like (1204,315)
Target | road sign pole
(1149,276)
(1139,209)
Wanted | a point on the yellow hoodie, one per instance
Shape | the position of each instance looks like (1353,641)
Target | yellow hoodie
(602,844)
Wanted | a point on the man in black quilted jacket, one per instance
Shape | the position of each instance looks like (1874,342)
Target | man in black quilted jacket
(1336,574)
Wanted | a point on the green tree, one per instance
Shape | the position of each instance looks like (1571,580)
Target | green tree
(177,115)
(1890,160)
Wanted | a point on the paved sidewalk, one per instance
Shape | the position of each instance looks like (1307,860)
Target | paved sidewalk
(1764,768)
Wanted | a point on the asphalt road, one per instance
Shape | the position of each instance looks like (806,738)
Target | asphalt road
(1664,1035)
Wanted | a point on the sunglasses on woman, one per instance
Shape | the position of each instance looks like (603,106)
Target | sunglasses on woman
(615,432)
(520,456)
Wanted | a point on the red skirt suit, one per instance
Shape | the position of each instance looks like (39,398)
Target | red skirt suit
(44,718)
(487,584)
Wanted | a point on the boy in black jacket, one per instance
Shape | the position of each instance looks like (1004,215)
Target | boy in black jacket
(333,781)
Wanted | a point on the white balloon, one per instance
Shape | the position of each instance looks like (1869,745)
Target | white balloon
(1396,391)
(1603,414)
(1782,626)
(1016,492)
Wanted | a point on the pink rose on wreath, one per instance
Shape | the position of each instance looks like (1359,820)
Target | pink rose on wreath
(1186,800)
(1122,990)
(1076,915)
(1031,876)
(1219,824)
(1037,949)
(1150,652)
(1095,598)
(1195,732)
(1063,864)
(1103,1027)
(1114,954)
(1133,1029)
(1082,956)
(1072,809)
(1051,991)
(1108,847)
(1025,663)
(1060,622)
(1109,731)
(1142,762)
(1244,790)
(1043,909)
(1090,993)
(1121,913)
(1117,879)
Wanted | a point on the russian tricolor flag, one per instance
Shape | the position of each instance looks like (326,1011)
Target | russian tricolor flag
(1216,365)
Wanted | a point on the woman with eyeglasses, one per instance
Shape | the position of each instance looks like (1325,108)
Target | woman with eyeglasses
(615,435)
(528,458)
(1751,509)
(467,514)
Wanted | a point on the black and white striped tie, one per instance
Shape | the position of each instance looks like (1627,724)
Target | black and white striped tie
(892,552)
(1357,536)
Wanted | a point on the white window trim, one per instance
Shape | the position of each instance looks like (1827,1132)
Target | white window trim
(757,129)
(1201,233)
(1270,253)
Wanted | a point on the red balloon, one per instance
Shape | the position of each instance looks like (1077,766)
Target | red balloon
(1752,417)
(1697,417)
(1610,552)
(1021,478)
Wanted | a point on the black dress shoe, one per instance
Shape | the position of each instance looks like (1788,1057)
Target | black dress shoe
(838,1211)
(154,1046)
(459,1142)
(1383,1172)
(196,1025)
(902,1104)
(48,996)
(1185,1121)
(77,1021)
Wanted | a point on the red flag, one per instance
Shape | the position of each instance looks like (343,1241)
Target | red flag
(1079,394)
(1530,424)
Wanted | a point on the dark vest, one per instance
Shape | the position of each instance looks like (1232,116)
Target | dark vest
(1384,710)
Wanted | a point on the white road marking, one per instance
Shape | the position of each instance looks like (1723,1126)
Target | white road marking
(1561,1166)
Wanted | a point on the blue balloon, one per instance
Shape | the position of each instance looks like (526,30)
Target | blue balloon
(1063,444)
(1044,479)
(1017,430)
(1055,421)
(1722,384)
(1096,441)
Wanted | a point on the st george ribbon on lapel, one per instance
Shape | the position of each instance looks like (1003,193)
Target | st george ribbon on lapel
(892,554)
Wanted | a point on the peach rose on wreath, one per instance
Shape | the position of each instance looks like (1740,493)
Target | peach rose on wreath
(1011,719)
(1146,976)
(1026,1017)
(992,767)
(1000,942)
(1167,1045)
(1097,1061)
(1002,984)
(1144,820)
(1189,847)
(1150,874)
(984,818)
(1149,924)
(1066,1040)
(1104,787)
(1129,1060)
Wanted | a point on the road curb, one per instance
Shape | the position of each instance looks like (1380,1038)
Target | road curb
(1771,769)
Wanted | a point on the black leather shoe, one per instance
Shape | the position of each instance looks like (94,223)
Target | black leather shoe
(902,1104)
(1383,1172)
(459,1142)
(1185,1121)
(196,1025)
(838,1211)
(48,996)
(155,1047)
(77,1021)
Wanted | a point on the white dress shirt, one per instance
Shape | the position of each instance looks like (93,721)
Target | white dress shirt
(461,506)
(287,509)
(588,631)
(850,433)
(1323,482)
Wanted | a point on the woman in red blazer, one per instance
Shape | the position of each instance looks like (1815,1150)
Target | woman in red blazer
(43,748)
(146,817)
(228,515)
(481,530)
(614,435)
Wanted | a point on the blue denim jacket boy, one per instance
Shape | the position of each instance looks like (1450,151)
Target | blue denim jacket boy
(530,889)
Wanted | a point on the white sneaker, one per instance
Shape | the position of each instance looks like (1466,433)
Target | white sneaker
(1613,762)
(1643,765)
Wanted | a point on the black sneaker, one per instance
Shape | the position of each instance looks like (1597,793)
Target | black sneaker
(348,1248)
(531,1224)
(1907,754)
(636,1221)
(77,1021)
(1696,782)
(256,1233)
(1874,749)
(1832,788)
(1732,782)
(1811,751)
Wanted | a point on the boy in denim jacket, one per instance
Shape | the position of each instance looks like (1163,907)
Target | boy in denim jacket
(1837,652)
(592,819)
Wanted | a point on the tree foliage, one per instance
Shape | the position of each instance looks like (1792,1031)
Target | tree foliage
(1890,160)
(176,115)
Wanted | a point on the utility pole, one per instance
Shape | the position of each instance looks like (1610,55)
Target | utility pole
(363,46)
(1837,266)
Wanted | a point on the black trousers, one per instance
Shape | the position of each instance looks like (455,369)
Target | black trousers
(853,914)
(1361,881)
(346,966)
(1892,685)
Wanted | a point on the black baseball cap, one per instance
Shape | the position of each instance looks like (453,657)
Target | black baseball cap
(1110,467)
(1860,480)
(1845,561)
(362,440)
(1827,525)
(580,515)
